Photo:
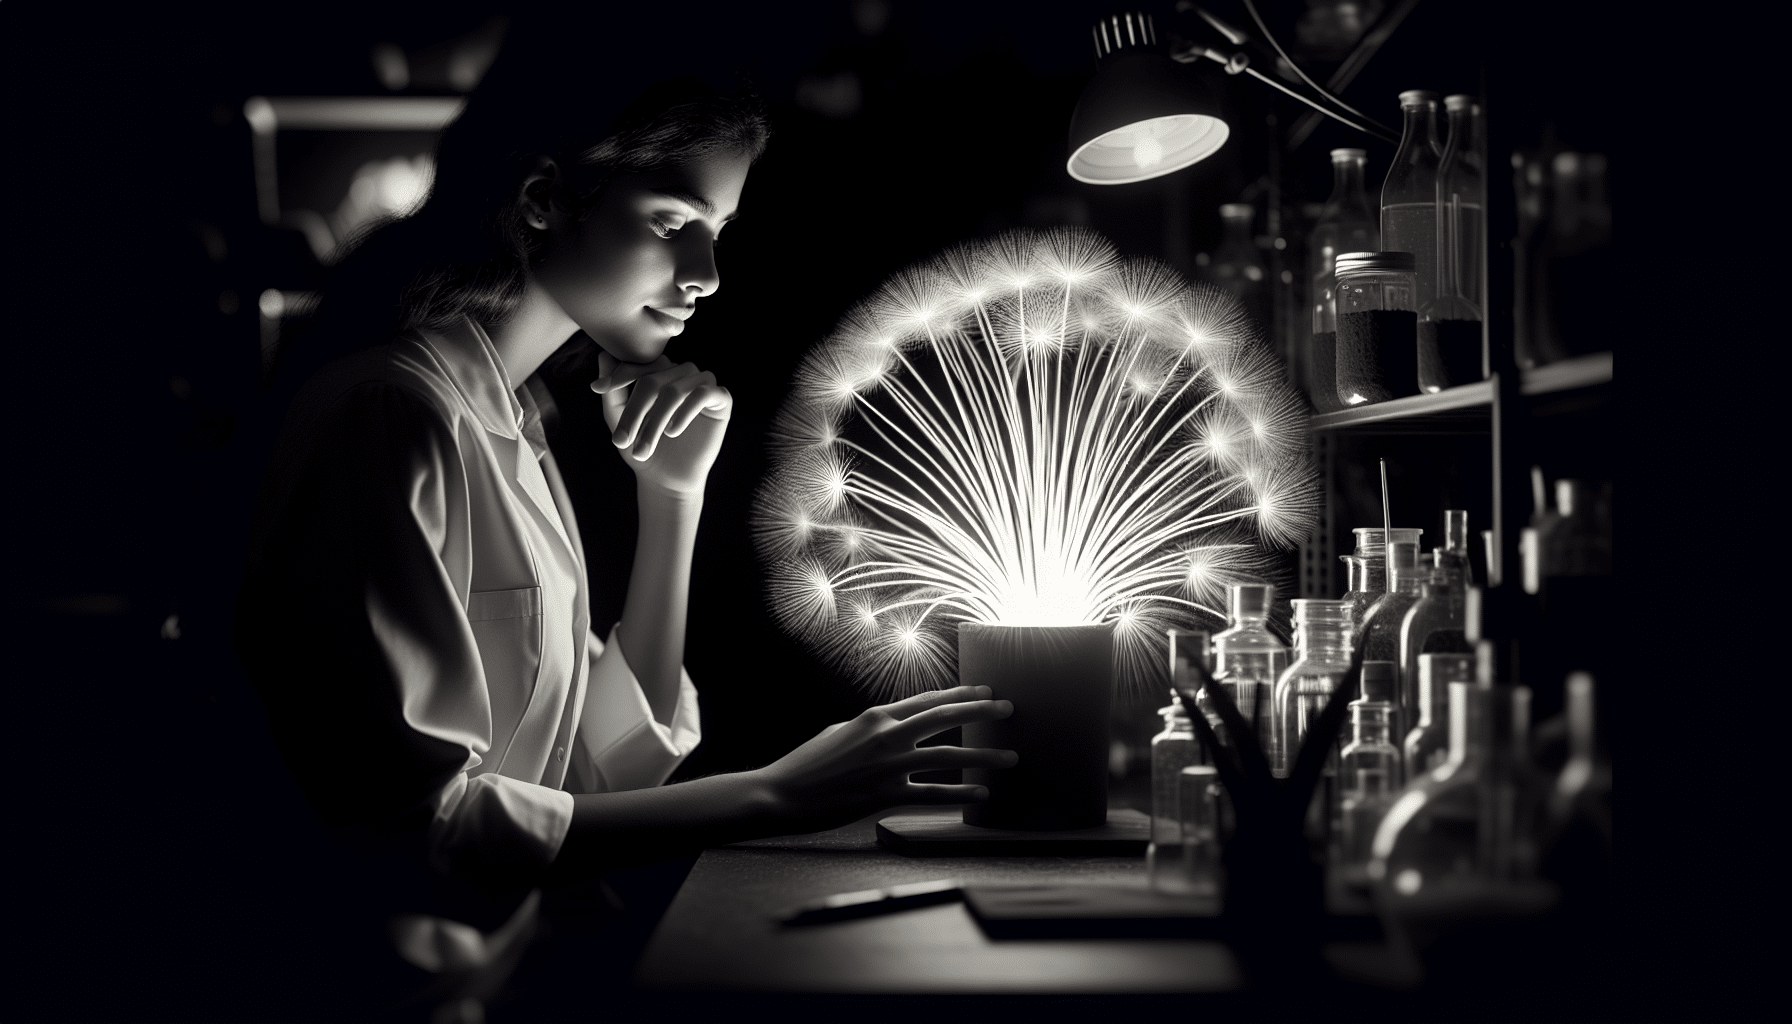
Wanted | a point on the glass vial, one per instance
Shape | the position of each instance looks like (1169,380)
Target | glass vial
(1381,624)
(1434,625)
(1248,659)
(1172,750)
(1427,745)
(1369,773)
(1368,569)
(1322,640)
(1409,211)
(1199,799)
(1461,248)
(1347,223)
(1377,327)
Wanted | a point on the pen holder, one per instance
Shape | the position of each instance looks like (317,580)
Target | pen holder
(1061,681)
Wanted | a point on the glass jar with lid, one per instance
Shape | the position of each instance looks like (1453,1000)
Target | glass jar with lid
(1378,321)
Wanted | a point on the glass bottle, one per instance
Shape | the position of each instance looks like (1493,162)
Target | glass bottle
(1465,820)
(1248,659)
(1433,625)
(1172,750)
(1377,327)
(1369,773)
(1199,798)
(1461,206)
(1237,265)
(1322,643)
(1409,210)
(1347,223)
(1381,624)
(1453,564)
(1368,570)
(1427,745)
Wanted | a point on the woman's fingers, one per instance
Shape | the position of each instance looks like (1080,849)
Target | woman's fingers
(945,756)
(949,716)
(911,706)
(646,395)
(613,373)
(667,401)
(938,793)
(711,400)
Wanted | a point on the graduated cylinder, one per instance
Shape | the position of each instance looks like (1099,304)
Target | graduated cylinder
(1061,680)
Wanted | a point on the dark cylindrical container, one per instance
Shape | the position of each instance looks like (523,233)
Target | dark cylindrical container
(1061,680)
(1378,322)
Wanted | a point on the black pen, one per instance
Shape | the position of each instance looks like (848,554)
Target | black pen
(845,905)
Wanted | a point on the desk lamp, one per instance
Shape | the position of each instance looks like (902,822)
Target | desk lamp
(1144,116)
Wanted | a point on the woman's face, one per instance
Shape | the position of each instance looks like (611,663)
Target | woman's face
(630,274)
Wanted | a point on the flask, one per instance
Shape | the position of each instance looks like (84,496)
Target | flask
(1368,570)
(1347,223)
(1409,211)
(1433,625)
(1369,772)
(1460,822)
(1172,750)
(1377,327)
(1237,265)
(1322,659)
(1248,659)
(1461,206)
(1199,796)
(1427,745)
(1381,624)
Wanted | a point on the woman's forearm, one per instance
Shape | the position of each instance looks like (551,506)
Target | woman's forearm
(641,826)
(659,587)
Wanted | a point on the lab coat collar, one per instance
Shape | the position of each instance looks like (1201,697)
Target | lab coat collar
(478,374)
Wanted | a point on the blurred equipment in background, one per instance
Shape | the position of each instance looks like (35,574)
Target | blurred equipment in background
(1346,224)
(1237,266)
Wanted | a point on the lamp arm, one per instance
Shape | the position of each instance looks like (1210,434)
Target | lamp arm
(1251,6)
(1370,129)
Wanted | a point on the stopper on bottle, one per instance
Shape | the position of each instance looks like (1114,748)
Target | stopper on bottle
(1417,98)
(1459,101)
(1251,600)
(1378,680)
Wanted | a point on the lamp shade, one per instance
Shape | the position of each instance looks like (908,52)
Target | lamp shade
(1143,115)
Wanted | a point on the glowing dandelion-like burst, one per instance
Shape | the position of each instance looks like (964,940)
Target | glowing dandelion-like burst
(1028,431)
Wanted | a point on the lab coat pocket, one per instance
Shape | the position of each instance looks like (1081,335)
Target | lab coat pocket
(507,626)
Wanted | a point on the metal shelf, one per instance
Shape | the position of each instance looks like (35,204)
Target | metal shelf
(1467,409)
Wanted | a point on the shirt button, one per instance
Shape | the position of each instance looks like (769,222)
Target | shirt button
(559,753)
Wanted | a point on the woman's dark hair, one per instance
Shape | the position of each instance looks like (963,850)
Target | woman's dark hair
(465,252)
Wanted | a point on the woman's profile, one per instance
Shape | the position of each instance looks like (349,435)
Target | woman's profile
(415,612)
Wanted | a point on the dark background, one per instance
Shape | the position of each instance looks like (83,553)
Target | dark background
(169,869)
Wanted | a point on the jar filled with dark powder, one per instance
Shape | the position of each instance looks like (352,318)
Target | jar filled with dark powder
(1378,321)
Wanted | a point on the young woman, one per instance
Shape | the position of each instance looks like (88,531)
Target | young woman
(416,615)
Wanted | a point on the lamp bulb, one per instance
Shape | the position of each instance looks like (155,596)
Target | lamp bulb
(1148,152)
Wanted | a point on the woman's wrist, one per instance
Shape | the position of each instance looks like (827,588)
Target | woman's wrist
(661,498)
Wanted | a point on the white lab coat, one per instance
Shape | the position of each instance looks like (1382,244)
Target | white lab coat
(416,617)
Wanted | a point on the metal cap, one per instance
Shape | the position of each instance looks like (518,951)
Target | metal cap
(1340,155)
(1374,263)
(1460,101)
(1417,98)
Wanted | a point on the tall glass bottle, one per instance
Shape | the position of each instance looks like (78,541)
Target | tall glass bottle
(1381,623)
(1453,564)
(1237,264)
(1172,750)
(1427,745)
(1461,247)
(1322,643)
(1409,207)
(1433,625)
(1347,223)
(1368,569)
(1199,805)
(1248,659)
(1464,821)
(1369,772)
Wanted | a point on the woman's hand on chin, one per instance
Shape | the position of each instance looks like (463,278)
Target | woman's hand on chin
(851,769)
(666,418)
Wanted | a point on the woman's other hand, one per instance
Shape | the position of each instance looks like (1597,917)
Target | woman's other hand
(667,419)
(851,769)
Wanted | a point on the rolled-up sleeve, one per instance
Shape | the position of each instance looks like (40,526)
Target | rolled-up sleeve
(621,744)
